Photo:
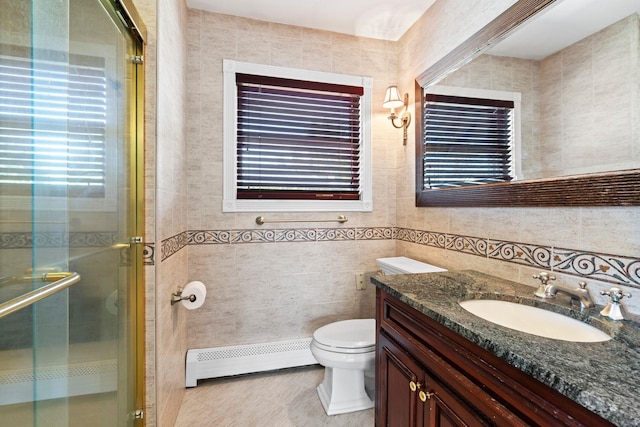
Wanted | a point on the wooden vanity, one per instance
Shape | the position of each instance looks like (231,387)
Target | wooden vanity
(429,374)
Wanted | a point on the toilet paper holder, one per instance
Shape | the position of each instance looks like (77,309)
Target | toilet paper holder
(176,297)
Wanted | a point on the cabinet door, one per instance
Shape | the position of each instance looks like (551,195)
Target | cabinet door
(410,397)
(398,380)
(442,408)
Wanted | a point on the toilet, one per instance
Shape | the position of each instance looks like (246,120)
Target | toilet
(347,351)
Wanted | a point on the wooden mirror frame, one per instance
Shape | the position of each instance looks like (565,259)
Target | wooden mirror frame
(601,189)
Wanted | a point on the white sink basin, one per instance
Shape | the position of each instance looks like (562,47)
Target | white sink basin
(533,320)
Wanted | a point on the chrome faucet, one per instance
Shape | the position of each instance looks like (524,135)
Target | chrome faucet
(581,294)
(542,288)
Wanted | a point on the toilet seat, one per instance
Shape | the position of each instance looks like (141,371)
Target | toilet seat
(347,336)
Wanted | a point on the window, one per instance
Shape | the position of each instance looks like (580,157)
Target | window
(53,127)
(52,124)
(295,140)
(469,137)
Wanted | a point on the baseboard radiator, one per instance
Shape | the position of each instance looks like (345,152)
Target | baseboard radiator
(55,382)
(217,362)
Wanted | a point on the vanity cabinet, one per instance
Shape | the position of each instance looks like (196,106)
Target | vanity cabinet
(411,396)
(427,375)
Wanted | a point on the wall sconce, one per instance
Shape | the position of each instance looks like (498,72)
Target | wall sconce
(392,100)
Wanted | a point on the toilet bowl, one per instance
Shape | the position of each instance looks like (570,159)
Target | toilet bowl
(347,351)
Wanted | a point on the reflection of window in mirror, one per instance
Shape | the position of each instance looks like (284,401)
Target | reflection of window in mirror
(470,137)
(579,101)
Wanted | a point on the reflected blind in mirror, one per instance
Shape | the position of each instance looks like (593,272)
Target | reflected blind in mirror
(467,141)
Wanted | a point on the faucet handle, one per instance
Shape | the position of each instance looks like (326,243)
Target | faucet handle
(616,294)
(544,277)
(612,310)
(542,287)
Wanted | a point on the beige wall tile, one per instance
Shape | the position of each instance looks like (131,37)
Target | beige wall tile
(608,230)
(262,292)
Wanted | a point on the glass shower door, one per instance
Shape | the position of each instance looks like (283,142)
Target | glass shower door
(68,210)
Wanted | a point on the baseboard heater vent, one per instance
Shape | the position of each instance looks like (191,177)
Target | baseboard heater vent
(55,382)
(244,359)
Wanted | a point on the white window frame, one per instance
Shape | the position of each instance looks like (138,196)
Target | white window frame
(230,202)
(500,95)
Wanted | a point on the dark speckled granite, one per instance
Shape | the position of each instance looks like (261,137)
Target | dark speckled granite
(603,377)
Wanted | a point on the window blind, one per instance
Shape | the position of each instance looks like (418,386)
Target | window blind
(297,139)
(467,141)
(52,124)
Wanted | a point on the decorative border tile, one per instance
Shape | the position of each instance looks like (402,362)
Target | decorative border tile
(296,235)
(604,267)
(374,233)
(173,244)
(467,244)
(520,253)
(335,234)
(202,237)
(421,237)
(15,240)
(148,254)
(252,236)
(92,239)
(608,268)
(54,239)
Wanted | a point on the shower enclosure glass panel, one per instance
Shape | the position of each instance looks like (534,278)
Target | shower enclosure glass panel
(68,206)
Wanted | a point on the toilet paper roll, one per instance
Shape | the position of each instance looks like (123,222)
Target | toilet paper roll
(198,290)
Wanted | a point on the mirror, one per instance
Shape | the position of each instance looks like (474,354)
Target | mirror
(580,117)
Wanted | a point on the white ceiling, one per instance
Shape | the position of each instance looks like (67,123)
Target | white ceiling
(389,20)
(379,19)
(563,24)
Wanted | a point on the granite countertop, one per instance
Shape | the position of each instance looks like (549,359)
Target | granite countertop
(603,376)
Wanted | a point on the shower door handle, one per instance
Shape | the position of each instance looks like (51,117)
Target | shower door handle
(16,304)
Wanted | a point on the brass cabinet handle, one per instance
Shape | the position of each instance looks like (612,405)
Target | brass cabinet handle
(424,396)
(414,386)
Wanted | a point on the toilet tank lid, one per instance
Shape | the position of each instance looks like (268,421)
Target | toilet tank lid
(402,264)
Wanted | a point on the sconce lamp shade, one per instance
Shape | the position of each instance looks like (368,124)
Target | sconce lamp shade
(392,98)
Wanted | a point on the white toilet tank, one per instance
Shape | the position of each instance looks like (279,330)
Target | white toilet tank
(404,265)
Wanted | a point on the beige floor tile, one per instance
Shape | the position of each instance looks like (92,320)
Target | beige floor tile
(285,398)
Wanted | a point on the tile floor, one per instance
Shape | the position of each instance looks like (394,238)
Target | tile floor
(285,398)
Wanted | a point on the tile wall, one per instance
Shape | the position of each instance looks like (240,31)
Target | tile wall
(170,205)
(596,80)
(268,283)
(589,233)
(282,283)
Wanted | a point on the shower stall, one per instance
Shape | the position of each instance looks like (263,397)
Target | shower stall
(71,285)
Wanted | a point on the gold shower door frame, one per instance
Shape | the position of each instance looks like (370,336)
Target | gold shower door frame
(42,281)
(128,13)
